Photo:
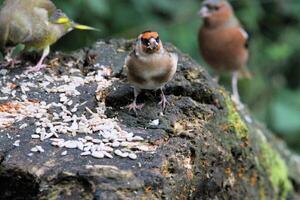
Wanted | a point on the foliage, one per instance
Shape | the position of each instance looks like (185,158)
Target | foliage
(273,93)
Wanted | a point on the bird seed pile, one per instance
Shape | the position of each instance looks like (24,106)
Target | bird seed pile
(61,118)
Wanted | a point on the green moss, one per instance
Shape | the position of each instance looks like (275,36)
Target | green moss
(234,119)
(276,169)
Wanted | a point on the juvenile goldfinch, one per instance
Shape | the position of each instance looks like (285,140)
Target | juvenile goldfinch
(222,41)
(149,66)
(35,23)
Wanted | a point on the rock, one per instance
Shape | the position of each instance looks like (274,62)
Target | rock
(202,147)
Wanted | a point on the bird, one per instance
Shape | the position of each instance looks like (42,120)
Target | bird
(149,66)
(37,24)
(223,42)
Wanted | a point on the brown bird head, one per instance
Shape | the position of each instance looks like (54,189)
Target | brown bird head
(149,42)
(216,12)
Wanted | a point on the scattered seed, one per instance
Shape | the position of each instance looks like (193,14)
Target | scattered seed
(98,154)
(64,153)
(132,156)
(85,153)
(154,122)
(16,143)
(71,144)
(35,136)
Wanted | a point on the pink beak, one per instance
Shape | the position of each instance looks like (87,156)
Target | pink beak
(204,12)
(153,44)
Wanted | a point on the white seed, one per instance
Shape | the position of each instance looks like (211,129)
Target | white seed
(40,149)
(154,122)
(57,139)
(38,130)
(129,135)
(85,153)
(132,156)
(80,146)
(105,140)
(34,149)
(70,103)
(54,143)
(63,99)
(88,138)
(120,153)
(115,144)
(71,144)
(124,144)
(137,138)
(64,153)
(87,148)
(16,143)
(107,154)
(49,135)
(97,141)
(98,154)
(39,115)
(23,126)
(35,136)
(109,149)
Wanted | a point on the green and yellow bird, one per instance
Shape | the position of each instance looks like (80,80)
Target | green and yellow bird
(37,24)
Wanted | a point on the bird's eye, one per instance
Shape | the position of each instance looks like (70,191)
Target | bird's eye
(212,7)
(216,7)
(145,41)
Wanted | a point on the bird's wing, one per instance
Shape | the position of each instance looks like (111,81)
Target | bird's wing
(245,36)
(14,28)
(45,4)
(4,30)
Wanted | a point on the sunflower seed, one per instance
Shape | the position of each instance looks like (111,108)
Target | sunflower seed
(98,154)
(71,144)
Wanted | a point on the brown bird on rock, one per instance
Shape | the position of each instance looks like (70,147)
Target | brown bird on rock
(223,41)
(149,66)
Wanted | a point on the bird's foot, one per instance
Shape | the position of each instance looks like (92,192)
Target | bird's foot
(133,106)
(236,100)
(163,102)
(36,68)
(11,62)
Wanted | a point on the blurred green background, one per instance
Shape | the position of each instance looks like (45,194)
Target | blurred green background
(273,94)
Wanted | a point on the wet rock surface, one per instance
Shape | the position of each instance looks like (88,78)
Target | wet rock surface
(66,134)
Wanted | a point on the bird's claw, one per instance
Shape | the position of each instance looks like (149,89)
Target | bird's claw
(133,106)
(163,102)
(11,63)
(36,68)
(236,100)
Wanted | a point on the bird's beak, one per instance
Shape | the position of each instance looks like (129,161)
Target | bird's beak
(153,44)
(84,27)
(204,12)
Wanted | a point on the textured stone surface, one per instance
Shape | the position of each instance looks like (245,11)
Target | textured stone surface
(202,147)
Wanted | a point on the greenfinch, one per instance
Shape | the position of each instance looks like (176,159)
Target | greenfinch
(37,24)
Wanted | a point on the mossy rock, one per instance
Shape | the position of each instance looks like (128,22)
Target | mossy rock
(203,147)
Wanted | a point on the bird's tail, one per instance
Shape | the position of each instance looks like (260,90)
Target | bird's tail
(84,27)
(245,73)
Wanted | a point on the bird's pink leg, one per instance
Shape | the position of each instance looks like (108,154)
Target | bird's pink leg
(10,60)
(40,64)
(163,102)
(133,106)
(235,92)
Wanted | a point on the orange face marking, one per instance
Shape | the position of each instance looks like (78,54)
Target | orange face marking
(148,35)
